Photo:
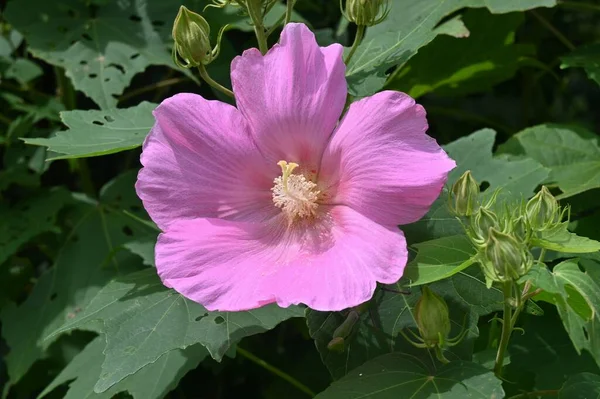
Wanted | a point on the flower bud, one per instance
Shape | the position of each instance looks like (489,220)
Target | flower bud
(433,318)
(482,221)
(191,33)
(543,211)
(504,257)
(366,12)
(465,192)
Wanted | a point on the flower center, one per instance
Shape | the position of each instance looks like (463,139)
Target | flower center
(295,195)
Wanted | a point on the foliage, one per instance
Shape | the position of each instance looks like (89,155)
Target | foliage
(510,88)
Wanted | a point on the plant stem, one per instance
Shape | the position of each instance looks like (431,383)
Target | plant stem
(535,394)
(562,38)
(257,21)
(276,371)
(288,11)
(145,89)
(212,83)
(506,329)
(360,33)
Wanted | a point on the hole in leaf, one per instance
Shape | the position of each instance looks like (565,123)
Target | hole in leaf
(390,70)
(109,118)
(158,23)
(127,231)
(135,18)
(134,56)
(93,75)
(117,66)
(98,123)
(106,79)
(53,296)
(219,320)
(484,186)
(86,36)
(83,62)
(201,317)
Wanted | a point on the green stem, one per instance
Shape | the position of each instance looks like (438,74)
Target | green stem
(276,371)
(360,33)
(255,14)
(535,394)
(562,38)
(288,11)
(506,328)
(212,83)
(145,89)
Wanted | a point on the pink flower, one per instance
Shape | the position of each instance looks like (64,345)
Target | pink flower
(279,201)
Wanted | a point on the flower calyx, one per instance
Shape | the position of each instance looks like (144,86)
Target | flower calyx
(366,12)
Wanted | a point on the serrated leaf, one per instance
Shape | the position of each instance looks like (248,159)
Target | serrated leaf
(581,386)
(572,155)
(151,382)
(142,320)
(89,258)
(397,375)
(562,240)
(28,219)
(93,133)
(101,47)
(458,66)
(518,178)
(409,26)
(439,259)
(587,57)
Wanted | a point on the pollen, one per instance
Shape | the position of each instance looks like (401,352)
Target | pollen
(294,194)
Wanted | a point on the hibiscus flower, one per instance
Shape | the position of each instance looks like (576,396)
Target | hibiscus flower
(277,199)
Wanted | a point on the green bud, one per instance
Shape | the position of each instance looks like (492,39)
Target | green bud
(543,211)
(521,229)
(481,222)
(504,257)
(465,193)
(433,318)
(366,12)
(191,34)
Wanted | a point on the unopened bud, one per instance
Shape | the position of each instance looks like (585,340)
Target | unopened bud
(543,211)
(464,196)
(482,221)
(521,229)
(191,34)
(504,257)
(433,318)
(366,12)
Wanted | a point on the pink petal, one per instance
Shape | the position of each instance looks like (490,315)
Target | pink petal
(381,163)
(231,266)
(200,161)
(292,97)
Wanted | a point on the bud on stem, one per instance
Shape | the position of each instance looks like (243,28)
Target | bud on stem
(543,211)
(366,12)
(465,193)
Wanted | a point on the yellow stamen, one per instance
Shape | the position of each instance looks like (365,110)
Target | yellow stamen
(293,193)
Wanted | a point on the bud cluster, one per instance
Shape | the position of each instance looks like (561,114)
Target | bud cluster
(501,232)
(366,12)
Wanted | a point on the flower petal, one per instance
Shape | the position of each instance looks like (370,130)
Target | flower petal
(293,96)
(200,161)
(233,266)
(381,163)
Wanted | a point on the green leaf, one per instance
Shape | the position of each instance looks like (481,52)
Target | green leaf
(397,375)
(518,178)
(586,57)
(439,259)
(30,218)
(458,66)
(151,382)
(101,47)
(88,259)
(142,320)
(93,133)
(144,248)
(572,155)
(562,240)
(581,386)
(409,26)
(23,71)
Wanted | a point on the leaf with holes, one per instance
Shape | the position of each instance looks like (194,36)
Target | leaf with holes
(142,320)
(89,258)
(439,259)
(458,65)
(409,26)
(93,133)
(581,386)
(101,47)
(30,218)
(151,382)
(518,178)
(572,155)
(397,375)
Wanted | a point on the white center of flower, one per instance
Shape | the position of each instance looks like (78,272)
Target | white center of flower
(295,195)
